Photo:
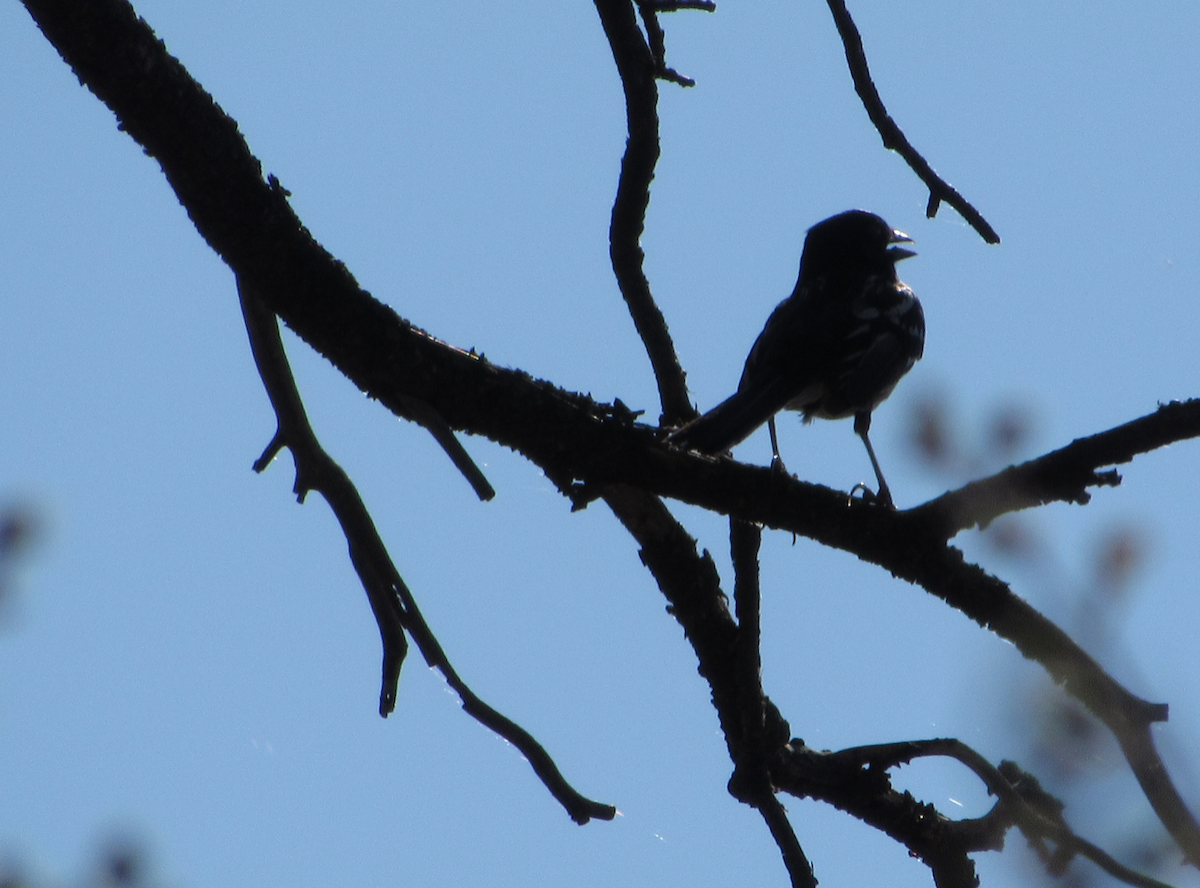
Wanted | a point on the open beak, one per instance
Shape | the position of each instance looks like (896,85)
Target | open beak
(898,253)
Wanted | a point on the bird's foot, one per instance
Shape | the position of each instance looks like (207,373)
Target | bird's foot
(778,468)
(883,498)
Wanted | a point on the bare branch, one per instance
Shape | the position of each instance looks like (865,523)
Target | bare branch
(727,652)
(394,606)
(745,540)
(1037,814)
(316,470)
(432,421)
(1062,475)
(657,40)
(761,734)
(893,137)
(637,67)
(689,581)
(867,793)
(943,572)
(676,5)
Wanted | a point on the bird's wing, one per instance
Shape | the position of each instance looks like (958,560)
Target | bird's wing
(800,346)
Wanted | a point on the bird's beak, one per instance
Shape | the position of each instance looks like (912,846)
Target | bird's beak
(898,253)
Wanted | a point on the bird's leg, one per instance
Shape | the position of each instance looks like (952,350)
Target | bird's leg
(862,425)
(776,459)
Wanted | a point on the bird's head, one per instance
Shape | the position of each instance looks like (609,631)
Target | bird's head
(854,241)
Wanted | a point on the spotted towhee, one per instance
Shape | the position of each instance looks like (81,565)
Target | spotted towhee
(835,348)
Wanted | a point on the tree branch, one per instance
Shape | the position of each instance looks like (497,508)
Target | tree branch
(1037,814)
(867,793)
(639,70)
(762,730)
(1062,475)
(316,470)
(893,137)
(432,422)
(726,652)
(648,10)
(676,5)
(394,605)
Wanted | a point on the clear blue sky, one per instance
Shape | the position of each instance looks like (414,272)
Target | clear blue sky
(189,657)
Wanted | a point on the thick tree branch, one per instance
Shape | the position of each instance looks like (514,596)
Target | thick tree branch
(639,71)
(893,137)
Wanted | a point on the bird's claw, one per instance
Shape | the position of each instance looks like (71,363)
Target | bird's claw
(883,498)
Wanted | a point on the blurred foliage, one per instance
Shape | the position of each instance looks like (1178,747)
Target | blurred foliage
(20,530)
(1070,751)
(121,862)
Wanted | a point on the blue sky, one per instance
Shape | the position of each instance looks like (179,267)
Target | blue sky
(188,656)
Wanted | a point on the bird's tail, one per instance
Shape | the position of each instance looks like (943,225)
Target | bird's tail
(729,423)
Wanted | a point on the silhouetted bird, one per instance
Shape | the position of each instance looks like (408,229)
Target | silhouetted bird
(835,348)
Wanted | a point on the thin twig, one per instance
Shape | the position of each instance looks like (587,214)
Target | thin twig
(394,605)
(893,137)
(676,5)
(658,44)
(432,422)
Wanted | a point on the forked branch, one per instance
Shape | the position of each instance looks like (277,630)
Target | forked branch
(395,607)
(1037,814)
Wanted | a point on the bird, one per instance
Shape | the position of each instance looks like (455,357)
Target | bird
(836,347)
